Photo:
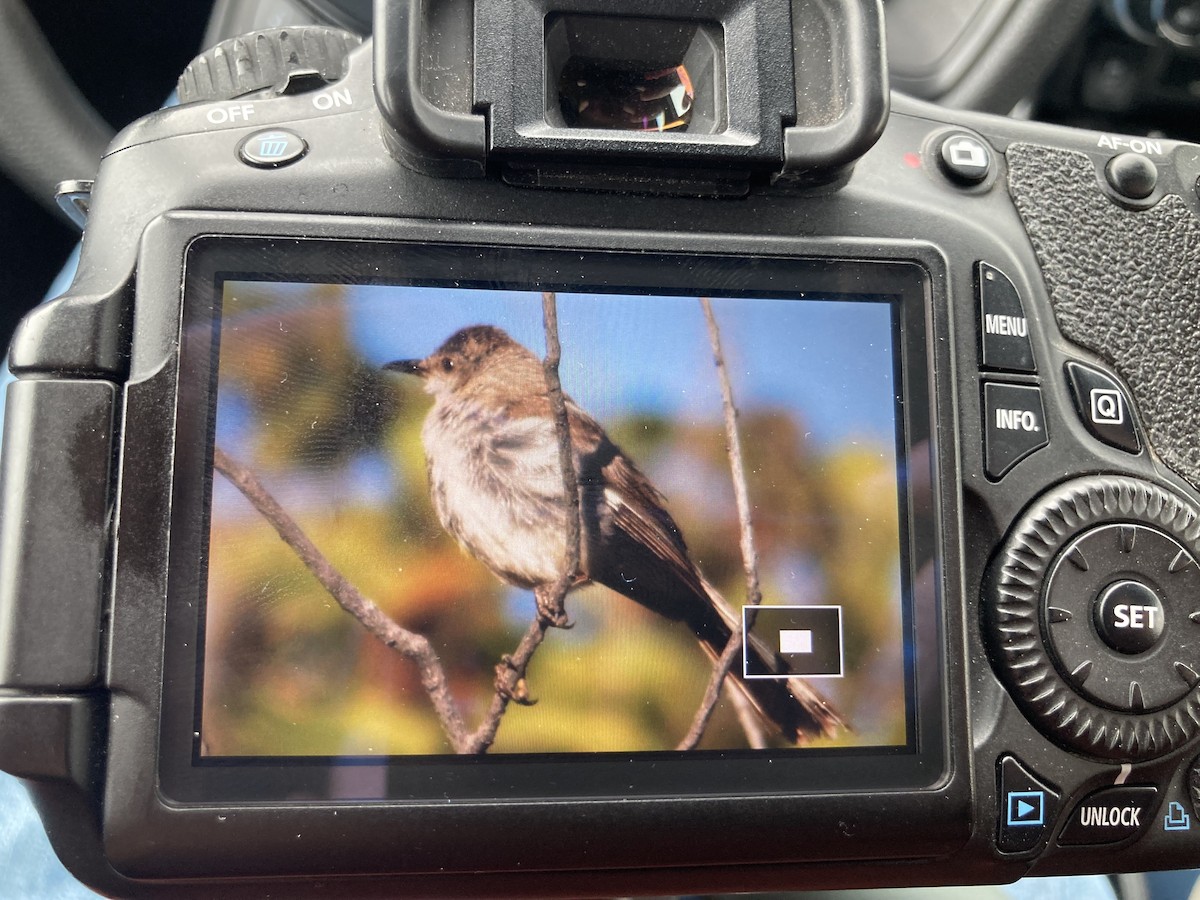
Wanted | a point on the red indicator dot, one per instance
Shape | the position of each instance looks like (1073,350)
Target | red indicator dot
(912,160)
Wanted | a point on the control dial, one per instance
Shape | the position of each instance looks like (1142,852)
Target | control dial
(266,59)
(1094,616)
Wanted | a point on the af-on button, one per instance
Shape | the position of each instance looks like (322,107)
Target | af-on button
(1132,175)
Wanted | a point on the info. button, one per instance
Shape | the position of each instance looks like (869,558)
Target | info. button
(1014,425)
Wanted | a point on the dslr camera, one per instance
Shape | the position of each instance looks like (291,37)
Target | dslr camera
(596,446)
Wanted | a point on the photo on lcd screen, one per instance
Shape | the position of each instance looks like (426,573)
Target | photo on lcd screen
(389,454)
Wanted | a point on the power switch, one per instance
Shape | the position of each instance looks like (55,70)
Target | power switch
(1003,327)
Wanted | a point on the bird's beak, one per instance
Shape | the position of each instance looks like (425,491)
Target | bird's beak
(408,366)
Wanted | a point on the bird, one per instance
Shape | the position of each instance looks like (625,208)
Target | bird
(496,485)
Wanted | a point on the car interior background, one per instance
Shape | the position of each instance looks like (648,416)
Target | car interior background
(73,74)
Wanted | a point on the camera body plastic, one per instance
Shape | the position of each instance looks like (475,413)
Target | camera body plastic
(1043,343)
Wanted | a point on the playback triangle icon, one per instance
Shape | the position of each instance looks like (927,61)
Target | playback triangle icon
(1026,808)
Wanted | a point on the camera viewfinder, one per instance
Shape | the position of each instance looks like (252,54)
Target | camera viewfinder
(634,74)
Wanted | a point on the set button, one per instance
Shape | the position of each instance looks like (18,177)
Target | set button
(1128,616)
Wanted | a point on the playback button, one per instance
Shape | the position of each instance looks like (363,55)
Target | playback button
(1014,425)
(1027,807)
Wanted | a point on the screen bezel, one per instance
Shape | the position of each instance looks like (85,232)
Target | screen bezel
(211,261)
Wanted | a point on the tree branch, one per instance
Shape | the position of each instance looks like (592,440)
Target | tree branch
(566,456)
(511,671)
(733,444)
(752,723)
(510,682)
(737,465)
(409,644)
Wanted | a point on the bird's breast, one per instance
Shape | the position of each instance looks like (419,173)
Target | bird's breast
(496,486)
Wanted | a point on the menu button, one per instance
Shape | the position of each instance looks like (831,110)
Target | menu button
(1005,333)
(1006,325)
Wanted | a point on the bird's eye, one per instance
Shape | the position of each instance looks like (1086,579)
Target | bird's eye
(447,364)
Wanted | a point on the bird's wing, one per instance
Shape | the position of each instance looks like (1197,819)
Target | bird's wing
(634,506)
(639,538)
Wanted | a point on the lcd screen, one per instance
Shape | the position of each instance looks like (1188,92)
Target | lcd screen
(389,516)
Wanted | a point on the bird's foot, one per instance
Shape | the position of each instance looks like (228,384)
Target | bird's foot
(511,683)
(552,612)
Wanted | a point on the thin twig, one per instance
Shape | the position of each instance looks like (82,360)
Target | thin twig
(409,644)
(741,493)
(751,721)
(510,685)
(562,429)
(712,692)
(733,647)
(510,673)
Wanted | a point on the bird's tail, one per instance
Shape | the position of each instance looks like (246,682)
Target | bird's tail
(793,705)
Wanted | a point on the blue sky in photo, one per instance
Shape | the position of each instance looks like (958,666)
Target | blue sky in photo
(830,362)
